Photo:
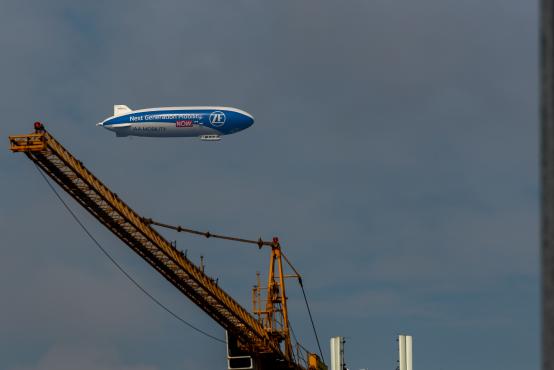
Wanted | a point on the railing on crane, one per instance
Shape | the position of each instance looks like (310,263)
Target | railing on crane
(257,337)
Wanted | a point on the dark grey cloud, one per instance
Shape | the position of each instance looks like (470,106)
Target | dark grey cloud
(394,153)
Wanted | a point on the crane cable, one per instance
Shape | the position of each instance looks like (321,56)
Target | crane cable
(305,300)
(119,267)
(311,318)
(260,243)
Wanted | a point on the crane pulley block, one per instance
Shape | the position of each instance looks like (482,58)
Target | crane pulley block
(28,143)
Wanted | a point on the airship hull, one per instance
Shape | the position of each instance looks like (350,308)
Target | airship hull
(162,129)
(207,123)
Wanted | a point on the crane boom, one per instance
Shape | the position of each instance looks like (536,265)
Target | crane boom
(72,176)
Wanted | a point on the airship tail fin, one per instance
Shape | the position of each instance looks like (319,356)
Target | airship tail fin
(119,110)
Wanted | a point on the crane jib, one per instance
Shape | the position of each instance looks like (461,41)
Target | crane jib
(73,177)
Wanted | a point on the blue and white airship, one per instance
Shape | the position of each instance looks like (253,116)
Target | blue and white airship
(206,123)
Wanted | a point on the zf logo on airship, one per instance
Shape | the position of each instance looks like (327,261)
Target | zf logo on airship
(217,118)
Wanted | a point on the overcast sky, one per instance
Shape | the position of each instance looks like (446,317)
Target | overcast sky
(394,153)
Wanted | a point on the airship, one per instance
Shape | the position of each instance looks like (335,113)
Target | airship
(206,123)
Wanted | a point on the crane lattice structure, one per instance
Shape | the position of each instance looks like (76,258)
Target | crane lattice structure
(253,336)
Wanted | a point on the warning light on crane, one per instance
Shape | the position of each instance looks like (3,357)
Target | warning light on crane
(39,127)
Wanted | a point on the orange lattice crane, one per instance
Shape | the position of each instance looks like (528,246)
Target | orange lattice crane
(261,342)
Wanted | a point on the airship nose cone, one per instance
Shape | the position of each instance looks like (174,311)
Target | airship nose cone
(246,119)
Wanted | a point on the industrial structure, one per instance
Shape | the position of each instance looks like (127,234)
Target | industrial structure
(405,352)
(259,341)
(337,353)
